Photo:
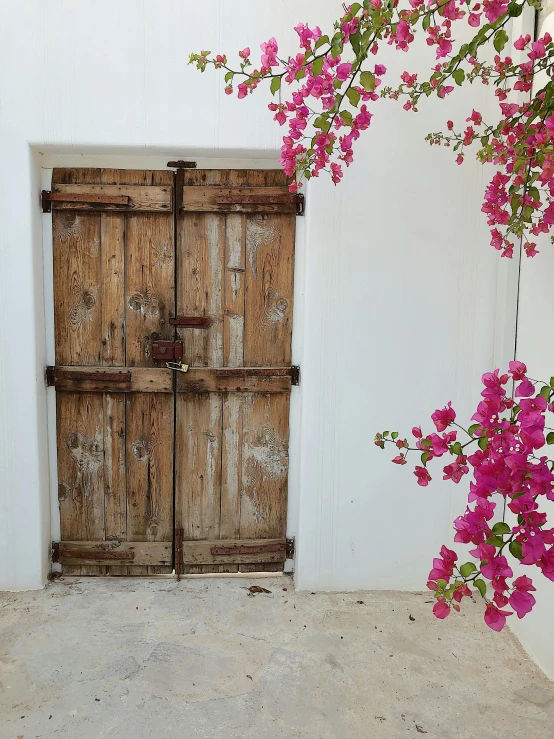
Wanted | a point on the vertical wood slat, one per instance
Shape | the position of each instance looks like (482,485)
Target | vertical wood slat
(198,469)
(113,279)
(234,294)
(201,239)
(149,275)
(269,290)
(80,443)
(77,280)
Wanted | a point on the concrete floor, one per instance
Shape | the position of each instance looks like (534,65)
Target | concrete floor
(132,659)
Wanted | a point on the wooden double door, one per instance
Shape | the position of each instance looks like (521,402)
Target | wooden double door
(161,469)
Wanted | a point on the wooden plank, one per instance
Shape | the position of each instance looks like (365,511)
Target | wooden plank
(242,380)
(115,472)
(98,379)
(80,438)
(200,248)
(269,290)
(138,553)
(147,199)
(231,466)
(198,466)
(233,322)
(77,282)
(149,294)
(149,467)
(264,466)
(234,551)
(113,280)
(238,199)
(236,178)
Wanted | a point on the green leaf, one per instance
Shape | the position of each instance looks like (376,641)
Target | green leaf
(337,49)
(346,116)
(456,448)
(545,392)
(424,457)
(515,10)
(496,541)
(441,583)
(500,40)
(472,429)
(501,528)
(322,40)
(353,97)
(394,435)
(322,122)
(481,586)
(367,80)
(459,76)
(550,437)
(515,549)
(275,84)
(356,42)
(426,22)
(229,76)
(483,443)
(467,569)
(317,66)
(426,442)
(552,382)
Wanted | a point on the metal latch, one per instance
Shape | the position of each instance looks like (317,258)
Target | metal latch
(167,351)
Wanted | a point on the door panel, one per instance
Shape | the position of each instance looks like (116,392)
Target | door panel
(232,425)
(113,289)
(136,441)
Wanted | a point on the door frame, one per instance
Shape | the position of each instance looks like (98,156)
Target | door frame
(48,163)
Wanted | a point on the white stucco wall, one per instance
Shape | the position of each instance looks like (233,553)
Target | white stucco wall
(393,316)
(536,349)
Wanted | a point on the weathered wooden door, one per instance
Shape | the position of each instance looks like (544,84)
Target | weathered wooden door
(204,259)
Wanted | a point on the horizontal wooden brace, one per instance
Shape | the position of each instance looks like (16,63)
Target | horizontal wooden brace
(113,552)
(110,380)
(120,198)
(236,379)
(84,198)
(241,200)
(234,551)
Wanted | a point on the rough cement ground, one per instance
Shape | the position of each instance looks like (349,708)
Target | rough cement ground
(132,659)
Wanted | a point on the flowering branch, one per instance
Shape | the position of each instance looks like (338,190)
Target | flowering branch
(332,81)
(506,435)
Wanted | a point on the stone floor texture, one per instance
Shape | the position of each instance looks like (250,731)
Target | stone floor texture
(136,658)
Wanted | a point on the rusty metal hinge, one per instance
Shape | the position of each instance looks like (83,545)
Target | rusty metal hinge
(295,375)
(180,164)
(50,376)
(55,551)
(179,535)
(290,548)
(300,204)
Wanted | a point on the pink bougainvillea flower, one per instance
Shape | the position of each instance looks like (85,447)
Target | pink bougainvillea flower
(441,609)
(517,370)
(423,477)
(495,618)
(444,417)
(525,389)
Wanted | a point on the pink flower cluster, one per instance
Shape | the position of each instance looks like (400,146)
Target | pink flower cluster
(501,448)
